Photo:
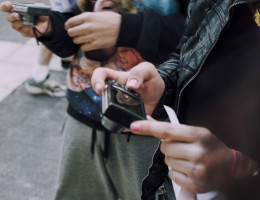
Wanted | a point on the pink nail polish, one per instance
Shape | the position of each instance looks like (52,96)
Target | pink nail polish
(97,86)
(135,127)
(132,83)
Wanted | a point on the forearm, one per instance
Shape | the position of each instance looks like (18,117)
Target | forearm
(168,72)
(154,36)
(243,166)
(245,181)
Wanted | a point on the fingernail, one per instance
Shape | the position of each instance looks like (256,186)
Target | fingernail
(135,127)
(132,83)
(97,87)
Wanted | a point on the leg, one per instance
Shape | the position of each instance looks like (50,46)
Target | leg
(41,82)
(41,68)
(82,176)
(128,163)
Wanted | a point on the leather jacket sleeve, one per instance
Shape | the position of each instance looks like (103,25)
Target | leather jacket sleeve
(169,73)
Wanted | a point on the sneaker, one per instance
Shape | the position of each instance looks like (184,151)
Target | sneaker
(48,86)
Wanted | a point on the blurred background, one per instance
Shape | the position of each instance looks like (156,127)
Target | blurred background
(30,126)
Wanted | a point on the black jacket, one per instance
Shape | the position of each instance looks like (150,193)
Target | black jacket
(205,27)
(136,31)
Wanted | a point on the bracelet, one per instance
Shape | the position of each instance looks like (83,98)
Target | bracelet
(233,163)
(232,167)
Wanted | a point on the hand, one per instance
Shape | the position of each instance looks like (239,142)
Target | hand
(16,21)
(94,30)
(199,161)
(143,78)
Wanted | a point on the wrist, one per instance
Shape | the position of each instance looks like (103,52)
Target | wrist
(242,167)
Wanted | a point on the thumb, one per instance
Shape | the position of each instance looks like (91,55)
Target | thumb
(139,74)
(5,6)
(101,74)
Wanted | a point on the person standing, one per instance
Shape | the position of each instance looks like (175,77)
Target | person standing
(213,86)
(122,170)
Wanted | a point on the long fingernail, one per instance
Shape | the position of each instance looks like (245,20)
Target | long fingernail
(135,127)
(132,83)
(97,87)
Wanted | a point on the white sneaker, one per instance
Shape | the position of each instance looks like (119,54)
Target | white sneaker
(48,86)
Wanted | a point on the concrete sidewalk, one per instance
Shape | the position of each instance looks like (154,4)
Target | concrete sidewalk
(30,127)
(16,63)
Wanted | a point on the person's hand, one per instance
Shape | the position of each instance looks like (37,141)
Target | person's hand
(143,78)
(199,161)
(94,30)
(16,21)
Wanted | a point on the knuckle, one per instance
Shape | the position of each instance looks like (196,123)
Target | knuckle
(198,153)
(90,29)
(204,132)
(165,134)
(85,15)
(96,44)
(68,22)
(70,32)
(199,173)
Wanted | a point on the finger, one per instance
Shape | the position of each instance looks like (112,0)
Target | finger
(184,181)
(149,118)
(81,29)
(5,6)
(81,39)
(179,165)
(77,20)
(17,25)
(164,130)
(101,74)
(26,31)
(181,150)
(12,17)
(141,73)
(89,46)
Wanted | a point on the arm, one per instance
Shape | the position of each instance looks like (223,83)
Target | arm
(168,72)
(155,36)
(199,161)
(59,42)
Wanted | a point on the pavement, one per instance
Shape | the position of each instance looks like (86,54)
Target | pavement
(30,126)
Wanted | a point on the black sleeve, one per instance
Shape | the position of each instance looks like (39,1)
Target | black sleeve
(169,73)
(155,36)
(60,43)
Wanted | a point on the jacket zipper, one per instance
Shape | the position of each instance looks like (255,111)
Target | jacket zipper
(196,74)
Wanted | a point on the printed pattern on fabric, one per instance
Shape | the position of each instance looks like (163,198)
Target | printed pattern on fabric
(80,94)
